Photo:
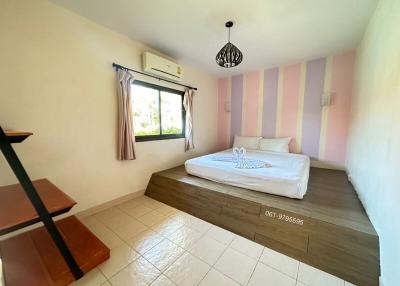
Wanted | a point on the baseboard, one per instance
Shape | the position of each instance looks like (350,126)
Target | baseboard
(326,165)
(109,204)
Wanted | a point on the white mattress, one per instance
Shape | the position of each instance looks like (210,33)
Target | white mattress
(287,176)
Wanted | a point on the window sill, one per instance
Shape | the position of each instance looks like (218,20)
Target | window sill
(156,138)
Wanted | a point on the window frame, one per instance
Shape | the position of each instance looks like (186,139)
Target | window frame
(159,88)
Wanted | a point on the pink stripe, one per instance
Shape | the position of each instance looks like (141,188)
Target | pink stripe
(339,111)
(222,116)
(251,112)
(290,102)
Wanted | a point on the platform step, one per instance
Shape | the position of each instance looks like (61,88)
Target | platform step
(16,210)
(32,258)
(17,136)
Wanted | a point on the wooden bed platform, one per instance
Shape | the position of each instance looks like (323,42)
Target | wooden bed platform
(328,229)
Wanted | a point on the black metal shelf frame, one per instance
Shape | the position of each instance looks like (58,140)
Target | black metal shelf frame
(26,183)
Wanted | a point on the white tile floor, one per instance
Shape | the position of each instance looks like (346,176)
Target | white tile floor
(154,244)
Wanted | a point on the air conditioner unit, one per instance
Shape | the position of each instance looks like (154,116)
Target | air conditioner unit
(161,67)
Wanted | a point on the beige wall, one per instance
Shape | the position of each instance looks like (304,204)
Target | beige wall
(374,145)
(56,80)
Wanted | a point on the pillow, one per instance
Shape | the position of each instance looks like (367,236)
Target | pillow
(246,142)
(275,144)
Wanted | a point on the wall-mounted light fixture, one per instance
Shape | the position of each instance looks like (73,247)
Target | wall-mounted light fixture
(227,106)
(326,99)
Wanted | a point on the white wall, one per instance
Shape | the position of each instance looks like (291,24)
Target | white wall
(374,145)
(56,80)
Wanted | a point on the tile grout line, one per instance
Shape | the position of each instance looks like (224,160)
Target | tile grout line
(255,266)
(246,253)
(206,261)
(228,247)
(219,257)
(252,273)
(280,271)
(204,275)
(298,269)
(203,235)
(120,269)
(112,231)
(168,265)
(107,227)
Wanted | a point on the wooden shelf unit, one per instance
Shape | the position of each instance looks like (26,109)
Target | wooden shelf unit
(32,258)
(55,254)
(16,210)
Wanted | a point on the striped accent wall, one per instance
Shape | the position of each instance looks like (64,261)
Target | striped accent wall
(286,101)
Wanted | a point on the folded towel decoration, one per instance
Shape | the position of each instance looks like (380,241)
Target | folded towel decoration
(241,161)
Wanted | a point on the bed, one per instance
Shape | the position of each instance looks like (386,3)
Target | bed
(287,176)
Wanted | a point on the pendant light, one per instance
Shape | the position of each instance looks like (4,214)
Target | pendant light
(229,56)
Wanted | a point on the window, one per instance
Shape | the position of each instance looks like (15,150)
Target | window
(158,112)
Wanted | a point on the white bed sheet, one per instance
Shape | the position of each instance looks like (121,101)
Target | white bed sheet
(287,176)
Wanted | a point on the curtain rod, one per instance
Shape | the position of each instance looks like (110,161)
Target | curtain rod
(117,66)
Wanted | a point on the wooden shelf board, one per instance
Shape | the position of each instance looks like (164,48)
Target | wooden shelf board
(17,136)
(16,210)
(32,258)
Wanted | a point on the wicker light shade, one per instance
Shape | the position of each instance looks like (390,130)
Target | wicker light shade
(229,56)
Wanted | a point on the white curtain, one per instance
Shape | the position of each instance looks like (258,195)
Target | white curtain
(126,138)
(188,104)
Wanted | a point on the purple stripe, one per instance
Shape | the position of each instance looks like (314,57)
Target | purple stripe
(236,105)
(271,77)
(312,112)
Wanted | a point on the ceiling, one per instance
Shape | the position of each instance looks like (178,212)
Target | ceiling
(268,32)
